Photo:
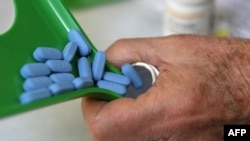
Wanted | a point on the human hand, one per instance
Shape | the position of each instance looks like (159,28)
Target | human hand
(203,84)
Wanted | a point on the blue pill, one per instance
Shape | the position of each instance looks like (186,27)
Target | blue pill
(115,87)
(131,73)
(84,68)
(98,65)
(42,54)
(62,77)
(35,95)
(116,78)
(60,88)
(34,70)
(77,37)
(35,83)
(61,66)
(83,82)
(69,51)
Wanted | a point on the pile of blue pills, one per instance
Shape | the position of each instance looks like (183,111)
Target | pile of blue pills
(51,74)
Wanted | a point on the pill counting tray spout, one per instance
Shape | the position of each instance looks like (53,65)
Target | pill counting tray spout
(37,22)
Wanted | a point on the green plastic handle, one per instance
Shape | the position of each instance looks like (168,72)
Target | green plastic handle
(38,23)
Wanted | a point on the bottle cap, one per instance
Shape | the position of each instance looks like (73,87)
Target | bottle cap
(148,74)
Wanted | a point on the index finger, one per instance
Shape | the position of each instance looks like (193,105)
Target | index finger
(134,50)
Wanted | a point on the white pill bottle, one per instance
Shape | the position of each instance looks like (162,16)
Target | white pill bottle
(188,17)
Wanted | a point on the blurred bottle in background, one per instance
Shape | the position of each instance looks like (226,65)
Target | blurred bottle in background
(188,17)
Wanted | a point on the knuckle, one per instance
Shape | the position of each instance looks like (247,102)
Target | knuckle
(120,43)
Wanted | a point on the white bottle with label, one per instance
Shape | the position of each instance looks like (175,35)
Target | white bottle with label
(188,17)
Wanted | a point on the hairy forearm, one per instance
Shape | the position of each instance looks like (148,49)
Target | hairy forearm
(234,73)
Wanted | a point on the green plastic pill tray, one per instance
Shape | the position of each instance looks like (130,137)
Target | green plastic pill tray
(38,23)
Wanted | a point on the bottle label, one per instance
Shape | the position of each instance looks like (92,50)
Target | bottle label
(197,23)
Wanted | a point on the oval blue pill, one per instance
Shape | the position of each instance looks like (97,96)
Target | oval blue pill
(115,87)
(77,37)
(42,54)
(60,88)
(83,82)
(69,51)
(84,68)
(35,95)
(131,73)
(35,83)
(116,78)
(62,77)
(98,65)
(59,65)
(34,69)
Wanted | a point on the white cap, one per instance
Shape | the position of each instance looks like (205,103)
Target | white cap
(189,6)
(191,2)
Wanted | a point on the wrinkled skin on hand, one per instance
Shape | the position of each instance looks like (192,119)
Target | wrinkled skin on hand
(203,84)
